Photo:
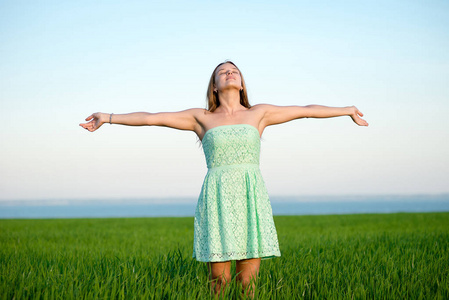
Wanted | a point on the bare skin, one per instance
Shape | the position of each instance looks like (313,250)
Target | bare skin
(228,85)
(229,112)
(247,271)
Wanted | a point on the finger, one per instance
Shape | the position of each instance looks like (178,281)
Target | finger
(87,124)
(89,117)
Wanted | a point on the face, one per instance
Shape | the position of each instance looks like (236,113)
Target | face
(227,76)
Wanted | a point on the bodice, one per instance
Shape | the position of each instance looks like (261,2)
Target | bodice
(231,145)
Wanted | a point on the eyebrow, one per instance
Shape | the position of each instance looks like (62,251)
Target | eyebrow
(221,69)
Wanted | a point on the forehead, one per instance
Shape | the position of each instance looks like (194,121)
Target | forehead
(226,66)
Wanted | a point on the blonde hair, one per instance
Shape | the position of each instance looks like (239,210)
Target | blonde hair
(212,97)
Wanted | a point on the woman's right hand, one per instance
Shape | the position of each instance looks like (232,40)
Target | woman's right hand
(96,120)
(356,116)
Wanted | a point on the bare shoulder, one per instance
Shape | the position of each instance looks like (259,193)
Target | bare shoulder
(194,111)
(262,106)
(198,113)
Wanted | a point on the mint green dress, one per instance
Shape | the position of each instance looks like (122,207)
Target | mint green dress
(233,217)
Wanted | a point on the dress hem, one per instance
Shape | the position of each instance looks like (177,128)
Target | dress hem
(239,258)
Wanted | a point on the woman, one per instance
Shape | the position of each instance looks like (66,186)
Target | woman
(233,219)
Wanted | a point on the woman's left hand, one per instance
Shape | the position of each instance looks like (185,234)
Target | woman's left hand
(356,117)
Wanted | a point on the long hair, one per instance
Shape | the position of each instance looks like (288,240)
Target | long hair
(212,97)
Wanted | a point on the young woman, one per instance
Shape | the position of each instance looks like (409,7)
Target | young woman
(233,218)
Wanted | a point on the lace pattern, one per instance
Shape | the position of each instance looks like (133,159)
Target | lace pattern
(233,218)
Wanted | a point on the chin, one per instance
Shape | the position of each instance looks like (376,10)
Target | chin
(232,87)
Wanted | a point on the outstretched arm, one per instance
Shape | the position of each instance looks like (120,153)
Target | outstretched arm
(183,120)
(281,114)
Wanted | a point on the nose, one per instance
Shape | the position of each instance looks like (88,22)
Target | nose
(229,72)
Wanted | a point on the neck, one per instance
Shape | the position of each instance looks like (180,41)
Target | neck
(229,101)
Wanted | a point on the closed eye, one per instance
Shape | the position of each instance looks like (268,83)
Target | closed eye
(221,72)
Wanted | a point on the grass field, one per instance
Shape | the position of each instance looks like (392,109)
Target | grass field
(380,256)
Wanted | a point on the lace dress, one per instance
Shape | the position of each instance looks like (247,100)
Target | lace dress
(233,217)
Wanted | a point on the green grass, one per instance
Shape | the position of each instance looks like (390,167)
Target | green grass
(380,256)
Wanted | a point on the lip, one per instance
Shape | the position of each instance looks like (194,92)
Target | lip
(230,78)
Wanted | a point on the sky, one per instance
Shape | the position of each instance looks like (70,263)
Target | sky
(60,61)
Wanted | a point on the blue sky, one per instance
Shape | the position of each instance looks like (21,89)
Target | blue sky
(63,60)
